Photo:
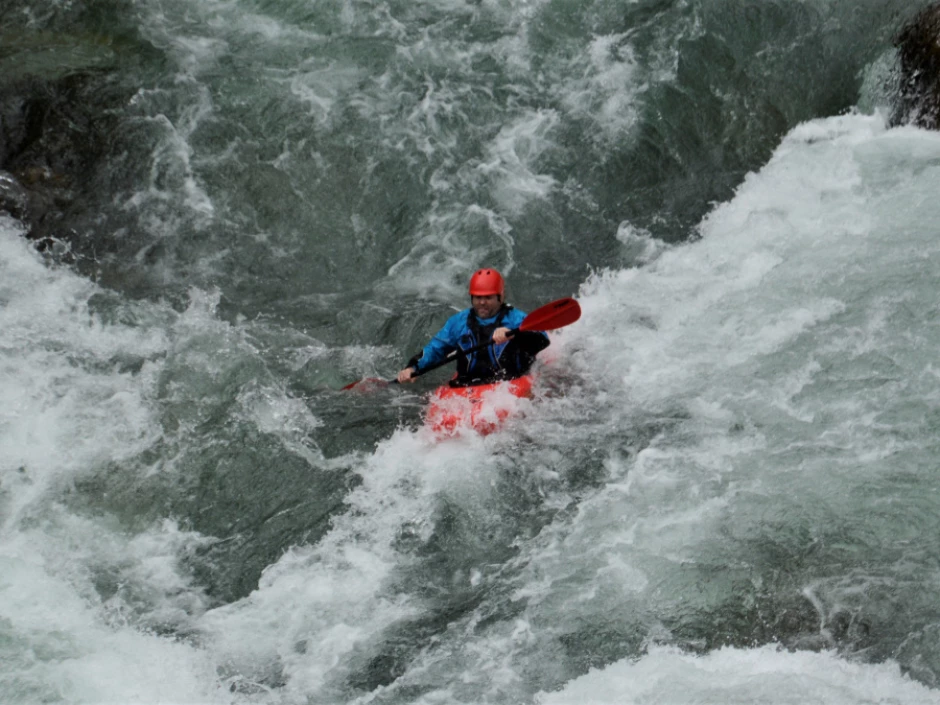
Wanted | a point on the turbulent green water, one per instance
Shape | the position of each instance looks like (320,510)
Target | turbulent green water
(724,488)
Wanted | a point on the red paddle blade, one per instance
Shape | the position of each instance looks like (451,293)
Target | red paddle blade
(368,384)
(557,314)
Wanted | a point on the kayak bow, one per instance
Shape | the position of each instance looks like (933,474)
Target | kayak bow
(483,408)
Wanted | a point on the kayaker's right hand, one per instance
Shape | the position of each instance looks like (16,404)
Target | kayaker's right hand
(406,375)
(500,335)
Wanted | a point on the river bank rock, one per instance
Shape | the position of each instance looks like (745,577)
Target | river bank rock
(918,94)
(54,135)
(14,199)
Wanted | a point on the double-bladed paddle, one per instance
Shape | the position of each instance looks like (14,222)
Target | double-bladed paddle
(552,316)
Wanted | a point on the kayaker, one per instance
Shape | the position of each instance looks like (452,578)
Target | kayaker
(489,317)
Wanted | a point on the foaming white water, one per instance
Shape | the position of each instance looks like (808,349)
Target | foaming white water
(721,341)
(61,642)
(100,395)
(318,86)
(784,362)
(68,411)
(605,87)
(321,610)
(793,249)
(730,676)
(172,178)
(479,201)
(512,156)
(60,415)
(791,344)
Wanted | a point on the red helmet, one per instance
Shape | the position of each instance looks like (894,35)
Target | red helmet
(486,282)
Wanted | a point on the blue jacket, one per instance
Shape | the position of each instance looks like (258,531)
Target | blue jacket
(505,361)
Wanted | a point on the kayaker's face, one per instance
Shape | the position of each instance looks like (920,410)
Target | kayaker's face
(485,306)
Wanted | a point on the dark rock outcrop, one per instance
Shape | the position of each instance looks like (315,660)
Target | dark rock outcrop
(918,90)
(14,198)
(54,134)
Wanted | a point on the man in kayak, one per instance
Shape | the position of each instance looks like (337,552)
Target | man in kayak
(488,318)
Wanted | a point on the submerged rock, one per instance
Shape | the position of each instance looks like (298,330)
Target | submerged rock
(50,56)
(62,97)
(14,200)
(53,135)
(918,44)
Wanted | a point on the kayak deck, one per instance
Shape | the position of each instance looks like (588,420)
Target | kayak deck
(483,407)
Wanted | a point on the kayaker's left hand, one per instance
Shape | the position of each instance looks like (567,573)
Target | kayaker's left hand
(499,335)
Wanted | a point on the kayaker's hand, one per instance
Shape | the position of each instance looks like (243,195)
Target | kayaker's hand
(499,335)
(406,375)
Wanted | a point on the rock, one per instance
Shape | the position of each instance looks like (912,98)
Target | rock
(54,134)
(918,91)
(14,199)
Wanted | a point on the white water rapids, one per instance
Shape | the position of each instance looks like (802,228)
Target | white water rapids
(762,405)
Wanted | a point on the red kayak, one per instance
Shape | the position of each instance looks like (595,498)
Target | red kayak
(483,407)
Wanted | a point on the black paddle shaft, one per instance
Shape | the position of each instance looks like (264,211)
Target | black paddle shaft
(451,356)
(556,314)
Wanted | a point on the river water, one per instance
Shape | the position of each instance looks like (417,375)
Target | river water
(724,489)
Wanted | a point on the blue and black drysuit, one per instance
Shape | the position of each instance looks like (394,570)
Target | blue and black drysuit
(496,362)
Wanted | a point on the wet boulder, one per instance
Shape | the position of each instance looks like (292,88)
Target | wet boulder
(918,89)
(14,199)
(50,139)
(62,98)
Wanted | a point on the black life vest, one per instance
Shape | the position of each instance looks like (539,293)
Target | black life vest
(482,366)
